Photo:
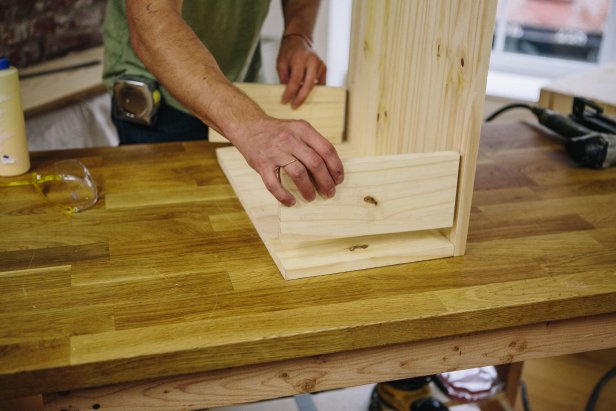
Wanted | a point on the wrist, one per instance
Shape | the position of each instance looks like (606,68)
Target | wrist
(242,130)
(307,39)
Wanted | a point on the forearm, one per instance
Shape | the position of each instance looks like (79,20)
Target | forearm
(178,59)
(172,52)
(300,16)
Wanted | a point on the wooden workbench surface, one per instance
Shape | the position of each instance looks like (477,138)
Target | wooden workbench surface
(166,275)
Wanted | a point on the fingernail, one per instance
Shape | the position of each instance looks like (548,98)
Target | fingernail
(339,178)
(331,193)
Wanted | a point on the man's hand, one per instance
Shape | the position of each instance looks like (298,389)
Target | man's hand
(309,159)
(299,67)
(192,75)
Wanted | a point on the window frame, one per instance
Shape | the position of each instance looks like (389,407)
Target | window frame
(547,67)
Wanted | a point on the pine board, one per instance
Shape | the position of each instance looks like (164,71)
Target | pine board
(598,85)
(417,79)
(324,108)
(307,258)
(379,195)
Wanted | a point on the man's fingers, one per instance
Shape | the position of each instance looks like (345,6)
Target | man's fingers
(298,173)
(272,183)
(317,169)
(327,152)
(295,82)
(283,70)
(309,80)
(323,74)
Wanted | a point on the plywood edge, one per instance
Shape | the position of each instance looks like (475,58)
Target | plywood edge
(380,195)
(324,109)
(314,258)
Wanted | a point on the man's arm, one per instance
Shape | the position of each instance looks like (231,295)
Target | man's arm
(171,51)
(298,65)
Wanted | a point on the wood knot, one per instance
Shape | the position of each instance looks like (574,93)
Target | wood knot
(355,247)
(371,200)
(307,385)
(518,346)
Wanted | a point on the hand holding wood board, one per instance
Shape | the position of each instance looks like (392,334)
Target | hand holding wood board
(326,252)
(324,108)
(416,83)
(380,195)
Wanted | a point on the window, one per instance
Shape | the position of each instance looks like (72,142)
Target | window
(552,38)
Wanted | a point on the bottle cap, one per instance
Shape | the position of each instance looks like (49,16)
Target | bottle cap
(4,63)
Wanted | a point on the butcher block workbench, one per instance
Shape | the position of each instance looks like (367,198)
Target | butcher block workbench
(164,293)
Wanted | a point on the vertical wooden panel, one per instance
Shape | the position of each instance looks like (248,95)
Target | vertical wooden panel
(417,81)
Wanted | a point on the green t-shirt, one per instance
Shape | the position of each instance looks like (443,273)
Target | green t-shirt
(230,29)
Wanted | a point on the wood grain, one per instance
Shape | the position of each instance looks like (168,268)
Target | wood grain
(186,286)
(324,109)
(310,257)
(417,77)
(565,383)
(44,93)
(254,383)
(379,195)
(598,85)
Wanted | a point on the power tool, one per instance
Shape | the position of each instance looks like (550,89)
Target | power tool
(590,136)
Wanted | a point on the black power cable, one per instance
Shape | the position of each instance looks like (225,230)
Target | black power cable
(594,397)
(590,148)
(524,396)
(507,108)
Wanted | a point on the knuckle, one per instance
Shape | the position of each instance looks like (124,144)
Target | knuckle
(303,125)
(328,149)
(328,186)
(297,75)
(296,173)
(315,163)
(284,137)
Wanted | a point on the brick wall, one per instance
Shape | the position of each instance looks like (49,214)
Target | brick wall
(33,31)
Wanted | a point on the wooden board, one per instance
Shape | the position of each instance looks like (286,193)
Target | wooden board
(417,79)
(379,195)
(324,108)
(51,91)
(298,376)
(598,85)
(299,259)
